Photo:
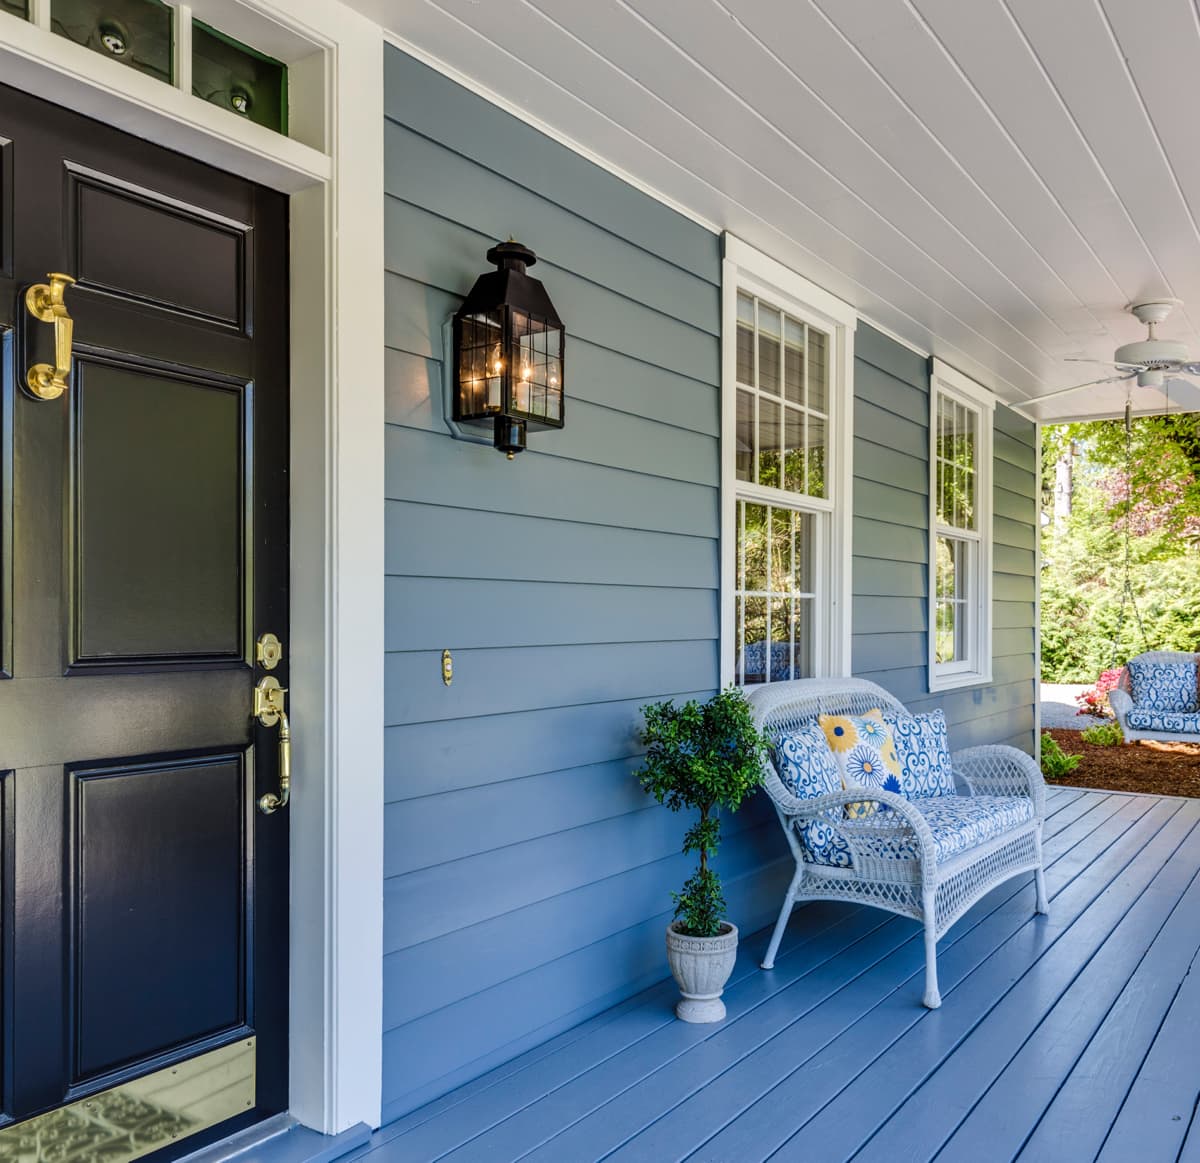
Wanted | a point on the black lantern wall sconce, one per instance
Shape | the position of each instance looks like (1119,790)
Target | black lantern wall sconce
(508,353)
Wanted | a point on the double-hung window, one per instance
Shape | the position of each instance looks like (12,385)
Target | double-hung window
(785,480)
(960,567)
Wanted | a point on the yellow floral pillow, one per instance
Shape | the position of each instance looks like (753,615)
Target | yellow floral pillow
(866,755)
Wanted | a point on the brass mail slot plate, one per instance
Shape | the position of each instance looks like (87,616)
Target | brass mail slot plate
(138,1117)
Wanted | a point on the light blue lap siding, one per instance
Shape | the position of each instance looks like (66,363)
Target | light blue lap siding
(891,550)
(527,878)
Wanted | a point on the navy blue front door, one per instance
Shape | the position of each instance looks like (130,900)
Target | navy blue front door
(144,548)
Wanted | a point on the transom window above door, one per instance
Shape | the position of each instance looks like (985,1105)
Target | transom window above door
(786,444)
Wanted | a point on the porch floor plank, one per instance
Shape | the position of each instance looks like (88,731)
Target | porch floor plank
(1068,1036)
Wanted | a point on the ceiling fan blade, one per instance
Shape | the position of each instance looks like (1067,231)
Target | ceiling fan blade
(1190,369)
(1125,367)
(1080,387)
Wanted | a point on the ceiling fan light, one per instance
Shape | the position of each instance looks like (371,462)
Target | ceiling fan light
(1150,379)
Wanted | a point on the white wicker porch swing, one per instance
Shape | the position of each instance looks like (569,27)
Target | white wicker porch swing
(922,859)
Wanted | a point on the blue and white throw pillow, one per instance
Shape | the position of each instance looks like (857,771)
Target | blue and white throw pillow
(808,770)
(924,753)
(805,763)
(1164,686)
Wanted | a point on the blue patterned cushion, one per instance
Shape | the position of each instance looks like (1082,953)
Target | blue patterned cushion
(1164,686)
(924,754)
(1177,722)
(961,822)
(807,768)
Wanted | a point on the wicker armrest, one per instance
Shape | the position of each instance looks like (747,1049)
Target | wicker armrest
(1122,703)
(999,770)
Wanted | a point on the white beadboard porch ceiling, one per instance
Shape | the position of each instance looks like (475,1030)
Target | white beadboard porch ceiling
(992,180)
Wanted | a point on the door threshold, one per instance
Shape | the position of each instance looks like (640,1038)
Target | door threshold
(281,1139)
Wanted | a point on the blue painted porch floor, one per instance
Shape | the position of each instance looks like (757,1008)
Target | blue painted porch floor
(1068,1038)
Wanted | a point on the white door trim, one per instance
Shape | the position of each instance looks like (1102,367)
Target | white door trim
(337,616)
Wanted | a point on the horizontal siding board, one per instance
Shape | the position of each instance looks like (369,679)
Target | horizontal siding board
(424,759)
(893,397)
(433,829)
(881,503)
(427,251)
(1018,534)
(1015,640)
(429,613)
(884,465)
(431,104)
(873,653)
(1008,587)
(421,173)
(492,682)
(889,615)
(1011,506)
(413,390)
(443,898)
(881,538)
(875,577)
(1015,453)
(872,347)
(1007,559)
(1016,426)
(881,426)
(547,486)
(1021,481)
(431,540)
(1012,615)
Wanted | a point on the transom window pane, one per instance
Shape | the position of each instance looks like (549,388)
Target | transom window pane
(957,441)
(774,593)
(782,403)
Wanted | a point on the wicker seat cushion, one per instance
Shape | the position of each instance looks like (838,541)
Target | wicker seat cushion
(1183,722)
(957,823)
(924,753)
(1164,686)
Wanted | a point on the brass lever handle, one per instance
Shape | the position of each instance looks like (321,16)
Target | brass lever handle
(46,303)
(269,710)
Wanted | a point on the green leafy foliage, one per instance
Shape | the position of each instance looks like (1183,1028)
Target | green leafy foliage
(702,756)
(1157,500)
(1104,735)
(1056,763)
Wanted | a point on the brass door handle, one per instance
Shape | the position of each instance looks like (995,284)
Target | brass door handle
(269,710)
(46,303)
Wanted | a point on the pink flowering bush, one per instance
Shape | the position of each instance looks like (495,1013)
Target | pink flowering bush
(1095,701)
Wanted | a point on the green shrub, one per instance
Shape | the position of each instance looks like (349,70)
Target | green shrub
(704,756)
(1056,763)
(1104,735)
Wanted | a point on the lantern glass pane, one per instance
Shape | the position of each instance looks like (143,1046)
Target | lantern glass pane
(480,363)
(536,353)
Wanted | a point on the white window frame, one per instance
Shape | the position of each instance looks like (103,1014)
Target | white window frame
(750,270)
(976,669)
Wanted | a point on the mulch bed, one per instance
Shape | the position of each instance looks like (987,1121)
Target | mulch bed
(1149,767)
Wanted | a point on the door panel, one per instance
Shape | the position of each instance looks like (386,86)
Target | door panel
(207,275)
(144,898)
(184,477)
(159,896)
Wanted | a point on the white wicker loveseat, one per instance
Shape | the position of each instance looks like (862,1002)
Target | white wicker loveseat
(897,861)
(1169,713)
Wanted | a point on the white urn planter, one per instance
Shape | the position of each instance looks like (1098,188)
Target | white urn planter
(701,966)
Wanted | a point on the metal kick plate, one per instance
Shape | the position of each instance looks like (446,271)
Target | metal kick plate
(138,1117)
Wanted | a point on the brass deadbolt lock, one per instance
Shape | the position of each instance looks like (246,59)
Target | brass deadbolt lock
(269,652)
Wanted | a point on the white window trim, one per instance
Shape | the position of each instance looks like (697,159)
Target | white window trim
(748,269)
(947,381)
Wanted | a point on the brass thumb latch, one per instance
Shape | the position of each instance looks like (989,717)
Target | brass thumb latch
(46,304)
(268,710)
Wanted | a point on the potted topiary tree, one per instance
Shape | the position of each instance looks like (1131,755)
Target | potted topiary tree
(707,757)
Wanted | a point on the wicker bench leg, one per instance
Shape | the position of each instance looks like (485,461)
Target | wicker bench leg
(785,913)
(1039,878)
(932,999)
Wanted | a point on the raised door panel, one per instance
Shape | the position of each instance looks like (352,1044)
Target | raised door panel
(159,902)
(159,522)
(207,273)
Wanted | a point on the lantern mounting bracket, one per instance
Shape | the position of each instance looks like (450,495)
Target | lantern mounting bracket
(459,431)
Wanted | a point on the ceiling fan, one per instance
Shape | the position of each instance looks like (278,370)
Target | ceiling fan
(1153,362)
